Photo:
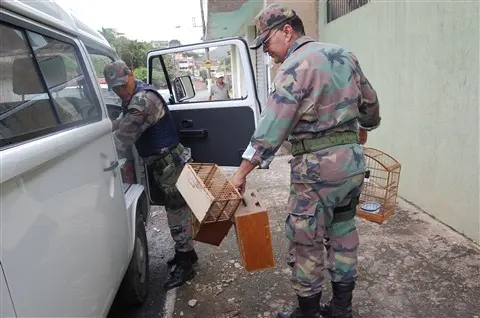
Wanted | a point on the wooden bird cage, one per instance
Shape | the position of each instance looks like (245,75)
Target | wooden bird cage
(379,195)
(208,192)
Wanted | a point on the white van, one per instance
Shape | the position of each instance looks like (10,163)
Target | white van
(73,214)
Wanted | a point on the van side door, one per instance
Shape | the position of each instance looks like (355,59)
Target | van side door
(66,237)
(6,309)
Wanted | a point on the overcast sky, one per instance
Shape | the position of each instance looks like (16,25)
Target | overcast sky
(142,19)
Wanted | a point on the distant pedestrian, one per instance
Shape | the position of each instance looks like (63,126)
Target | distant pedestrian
(219,90)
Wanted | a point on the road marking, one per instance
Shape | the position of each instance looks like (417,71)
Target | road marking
(169,307)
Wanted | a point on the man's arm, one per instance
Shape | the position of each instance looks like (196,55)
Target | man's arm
(276,122)
(278,118)
(369,108)
(144,110)
(116,122)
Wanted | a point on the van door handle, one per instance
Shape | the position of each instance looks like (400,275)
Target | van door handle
(187,123)
(194,133)
(113,165)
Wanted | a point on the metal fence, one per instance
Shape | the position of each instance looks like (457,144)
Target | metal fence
(338,8)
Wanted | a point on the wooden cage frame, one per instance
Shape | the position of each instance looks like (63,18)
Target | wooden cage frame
(380,187)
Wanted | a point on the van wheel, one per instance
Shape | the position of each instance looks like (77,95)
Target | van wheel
(134,287)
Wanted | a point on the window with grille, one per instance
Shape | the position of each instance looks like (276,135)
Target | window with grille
(338,8)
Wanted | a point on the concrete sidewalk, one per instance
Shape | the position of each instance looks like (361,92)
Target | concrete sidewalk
(411,266)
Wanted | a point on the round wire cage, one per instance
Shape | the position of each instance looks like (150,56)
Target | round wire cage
(378,199)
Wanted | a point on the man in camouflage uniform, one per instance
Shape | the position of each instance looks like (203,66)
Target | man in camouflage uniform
(320,100)
(146,122)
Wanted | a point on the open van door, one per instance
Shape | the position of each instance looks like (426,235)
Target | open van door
(217,128)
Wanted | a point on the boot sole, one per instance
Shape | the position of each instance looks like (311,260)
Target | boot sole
(190,277)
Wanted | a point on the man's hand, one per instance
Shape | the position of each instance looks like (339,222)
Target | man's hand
(239,179)
(239,182)
(362,134)
(115,124)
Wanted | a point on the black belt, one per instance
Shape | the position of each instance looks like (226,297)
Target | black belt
(172,155)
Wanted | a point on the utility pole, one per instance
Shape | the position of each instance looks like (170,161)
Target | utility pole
(207,51)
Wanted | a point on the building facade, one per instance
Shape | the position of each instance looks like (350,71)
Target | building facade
(423,60)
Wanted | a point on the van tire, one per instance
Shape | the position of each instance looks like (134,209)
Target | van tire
(134,287)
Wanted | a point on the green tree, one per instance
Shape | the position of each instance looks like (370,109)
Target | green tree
(196,56)
(99,63)
(141,73)
(174,42)
(170,65)
(134,53)
(226,63)
(203,74)
(158,76)
(107,34)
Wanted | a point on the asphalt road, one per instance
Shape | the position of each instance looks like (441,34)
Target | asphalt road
(410,266)
(218,266)
(200,95)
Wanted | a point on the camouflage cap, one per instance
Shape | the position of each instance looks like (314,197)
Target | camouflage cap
(271,16)
(116,73)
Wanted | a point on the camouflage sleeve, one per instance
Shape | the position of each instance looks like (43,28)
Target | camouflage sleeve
(144,110)
(369,108)
(278,118)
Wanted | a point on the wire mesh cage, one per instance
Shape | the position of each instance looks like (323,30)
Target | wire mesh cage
(212,198)
(379,195)
(226,198)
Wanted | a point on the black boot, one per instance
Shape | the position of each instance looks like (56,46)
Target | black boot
(341,304)
(191,254)
(308,307)
(182,273)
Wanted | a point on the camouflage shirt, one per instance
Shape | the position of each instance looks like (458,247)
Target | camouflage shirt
(319,89)
(143,110)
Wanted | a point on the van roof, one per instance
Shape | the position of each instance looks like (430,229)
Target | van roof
(54,15)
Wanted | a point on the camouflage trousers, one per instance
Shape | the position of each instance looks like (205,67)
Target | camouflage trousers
(179,214)
(309,221)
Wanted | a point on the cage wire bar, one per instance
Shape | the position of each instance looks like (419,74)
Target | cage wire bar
(226,197)
(378,199)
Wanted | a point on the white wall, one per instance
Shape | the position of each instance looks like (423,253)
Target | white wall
(423,59)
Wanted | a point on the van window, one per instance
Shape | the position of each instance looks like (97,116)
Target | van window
(41,92)
(64,77)
(24,103)
(99,62)
(223,67)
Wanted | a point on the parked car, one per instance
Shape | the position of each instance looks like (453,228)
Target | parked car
(73,213)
